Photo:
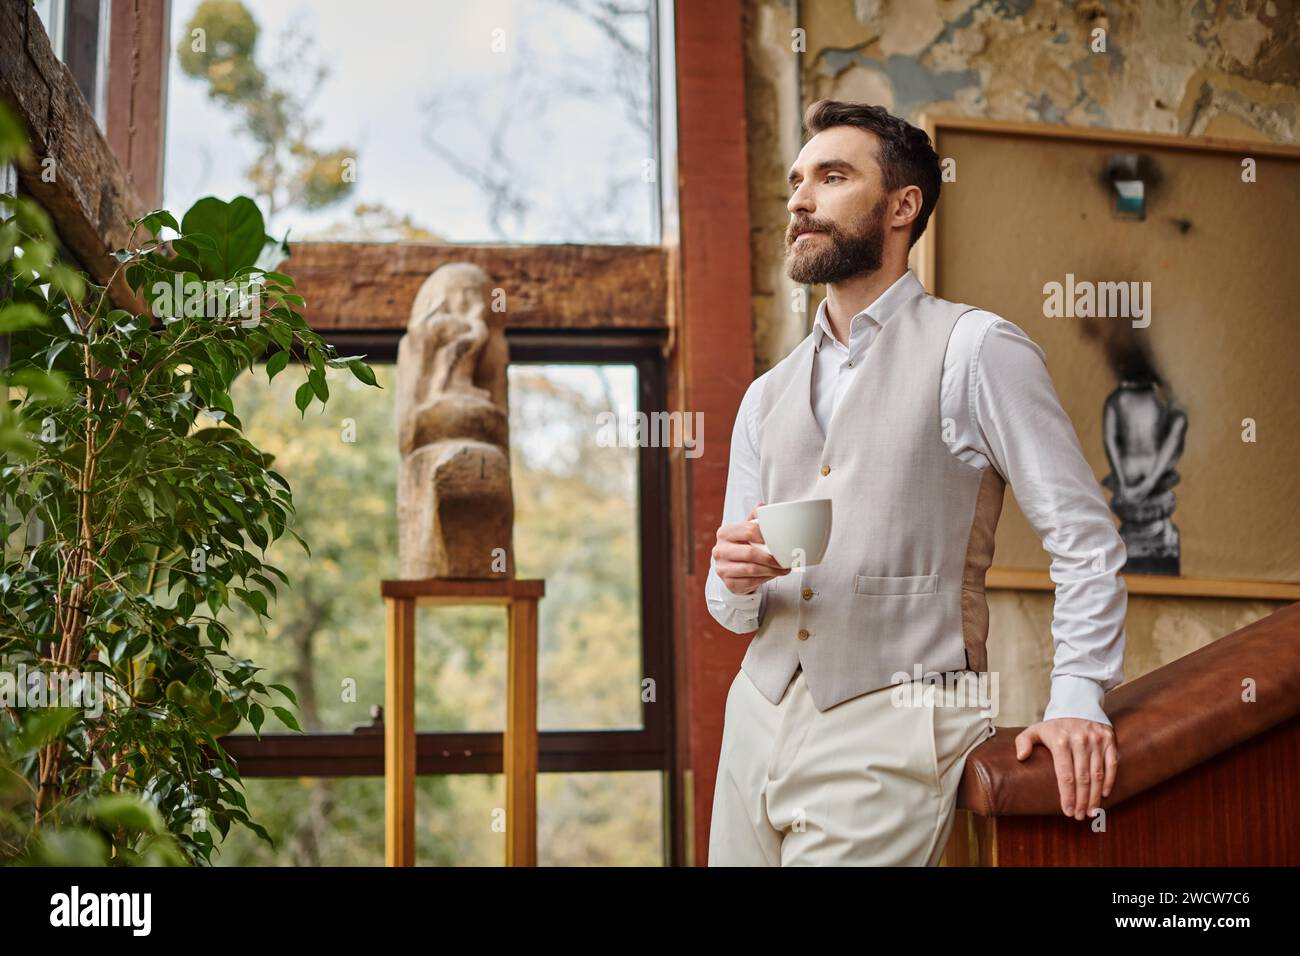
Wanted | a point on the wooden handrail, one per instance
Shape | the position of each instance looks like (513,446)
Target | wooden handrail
(1209,746)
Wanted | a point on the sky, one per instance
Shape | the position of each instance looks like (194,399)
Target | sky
(578,156)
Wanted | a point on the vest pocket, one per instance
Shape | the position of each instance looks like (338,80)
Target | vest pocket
(895,584)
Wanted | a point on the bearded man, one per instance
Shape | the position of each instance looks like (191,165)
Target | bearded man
(912,414)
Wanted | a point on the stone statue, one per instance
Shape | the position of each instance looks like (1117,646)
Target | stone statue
(1143,429)
(455,509)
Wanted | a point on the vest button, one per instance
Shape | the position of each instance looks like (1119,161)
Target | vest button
(807,594)
(803,634)
(826,470)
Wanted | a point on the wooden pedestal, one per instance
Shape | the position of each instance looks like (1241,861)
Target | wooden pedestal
(519,755)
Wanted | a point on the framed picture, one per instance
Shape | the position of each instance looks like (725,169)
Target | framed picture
(1158,274)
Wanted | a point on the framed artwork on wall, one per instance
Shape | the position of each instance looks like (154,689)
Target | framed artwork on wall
(1158,275)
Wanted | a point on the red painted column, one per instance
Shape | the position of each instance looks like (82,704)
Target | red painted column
(713,360)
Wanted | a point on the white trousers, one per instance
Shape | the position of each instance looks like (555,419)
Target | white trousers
(869,782)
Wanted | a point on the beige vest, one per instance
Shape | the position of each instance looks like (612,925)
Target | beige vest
(902,582)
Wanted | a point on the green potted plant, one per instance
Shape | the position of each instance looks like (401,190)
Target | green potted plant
(133,511)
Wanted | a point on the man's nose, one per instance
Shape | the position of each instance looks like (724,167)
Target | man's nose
(801,201)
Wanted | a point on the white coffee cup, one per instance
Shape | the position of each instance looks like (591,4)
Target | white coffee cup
(796,532)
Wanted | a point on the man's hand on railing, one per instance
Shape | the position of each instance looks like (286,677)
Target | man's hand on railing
(1085,755)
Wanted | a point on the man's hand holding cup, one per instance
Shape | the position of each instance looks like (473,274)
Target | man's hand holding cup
(741,560)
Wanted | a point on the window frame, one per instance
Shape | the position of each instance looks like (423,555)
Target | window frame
(57,29)
(361,752)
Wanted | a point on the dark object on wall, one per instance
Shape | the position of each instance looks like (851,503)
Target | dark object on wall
(1143,429)
(1130,176)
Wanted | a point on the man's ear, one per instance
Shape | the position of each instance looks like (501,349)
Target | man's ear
(907,206)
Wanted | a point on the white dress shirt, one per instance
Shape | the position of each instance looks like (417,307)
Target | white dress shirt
(1003,411)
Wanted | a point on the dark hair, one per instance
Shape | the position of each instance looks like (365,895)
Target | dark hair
(905,154)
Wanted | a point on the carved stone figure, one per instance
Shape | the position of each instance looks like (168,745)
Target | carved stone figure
(455,509)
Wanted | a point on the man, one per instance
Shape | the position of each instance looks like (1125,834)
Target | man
(911,414)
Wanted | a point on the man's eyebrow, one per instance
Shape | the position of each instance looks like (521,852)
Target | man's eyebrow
(824,165)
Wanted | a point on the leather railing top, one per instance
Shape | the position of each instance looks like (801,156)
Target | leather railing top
(1165,722)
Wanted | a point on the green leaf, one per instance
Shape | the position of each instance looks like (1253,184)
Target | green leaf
(42,725)
(68,281)
(254,599)
(155,220)
(283,689)
(216,596)
(316,380)
(49,386)
(282,334)
(54,351)
(363,372)
(276,364)
(302,397)
(13,138)
(70,846)
(289,720)
(17,316)
(237,229)
(121,810)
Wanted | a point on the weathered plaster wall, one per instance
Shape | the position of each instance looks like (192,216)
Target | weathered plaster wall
(1189,67)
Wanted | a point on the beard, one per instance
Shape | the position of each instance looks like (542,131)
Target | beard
(838,253)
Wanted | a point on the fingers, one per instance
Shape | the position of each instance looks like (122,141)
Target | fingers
(739,551)
(1063,762)
(1082,764)
(748,569)
(1095,776)
(1084,757)
(1025,741)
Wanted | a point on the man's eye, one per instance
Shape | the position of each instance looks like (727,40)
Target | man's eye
(833,176)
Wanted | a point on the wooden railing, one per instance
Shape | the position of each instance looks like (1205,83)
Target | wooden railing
(1209,771)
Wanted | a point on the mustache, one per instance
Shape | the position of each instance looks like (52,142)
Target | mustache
(805,225)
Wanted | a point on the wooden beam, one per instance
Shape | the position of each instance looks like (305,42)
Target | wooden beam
(462,590)
(84,189)
(138,45)
(371,285)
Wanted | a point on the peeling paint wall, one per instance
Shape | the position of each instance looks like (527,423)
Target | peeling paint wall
(1189,67)
(1183,67)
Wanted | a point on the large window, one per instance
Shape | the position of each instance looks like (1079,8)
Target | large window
(584,508)
(497,120)
(576,526)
